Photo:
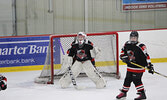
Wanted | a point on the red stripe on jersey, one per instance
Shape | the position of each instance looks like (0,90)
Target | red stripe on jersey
(91,43)
(122,51)
(136,71)
(93,59)
(68,51)
(143,48)
(122,55)
(5,79)
(148,57)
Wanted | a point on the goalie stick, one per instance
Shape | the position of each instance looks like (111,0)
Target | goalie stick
(71,74)
(74,81)
(148,69)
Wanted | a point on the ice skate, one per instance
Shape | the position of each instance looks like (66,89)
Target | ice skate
(121,96)
(142,96)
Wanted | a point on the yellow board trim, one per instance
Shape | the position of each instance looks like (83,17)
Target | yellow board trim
(21,68)
(153,60)
(39,67)
(104,63)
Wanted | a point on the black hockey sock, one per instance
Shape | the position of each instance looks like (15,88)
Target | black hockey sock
(142,91)
(124,91)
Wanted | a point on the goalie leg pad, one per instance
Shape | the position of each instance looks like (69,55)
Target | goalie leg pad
(100,83)
(76,68)
(65,80)
(93,74)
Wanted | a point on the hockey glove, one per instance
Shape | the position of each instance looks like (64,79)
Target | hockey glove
(124,58)
(150,67)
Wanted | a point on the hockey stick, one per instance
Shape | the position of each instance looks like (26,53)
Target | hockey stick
(71,74)
(148,69)
(74,81)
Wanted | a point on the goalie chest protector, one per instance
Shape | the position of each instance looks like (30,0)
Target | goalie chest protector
(81,53)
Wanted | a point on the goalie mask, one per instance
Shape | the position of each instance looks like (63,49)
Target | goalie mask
(81,37)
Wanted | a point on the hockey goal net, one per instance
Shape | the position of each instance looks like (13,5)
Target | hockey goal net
(106,64)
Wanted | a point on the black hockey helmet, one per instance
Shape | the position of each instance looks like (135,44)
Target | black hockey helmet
(134,34)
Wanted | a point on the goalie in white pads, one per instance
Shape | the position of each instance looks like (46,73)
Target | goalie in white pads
(81,53)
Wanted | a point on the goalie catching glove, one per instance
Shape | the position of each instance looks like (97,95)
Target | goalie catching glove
(150,67)
(95,52)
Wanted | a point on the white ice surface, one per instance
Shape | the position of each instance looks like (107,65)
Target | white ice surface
(21,86)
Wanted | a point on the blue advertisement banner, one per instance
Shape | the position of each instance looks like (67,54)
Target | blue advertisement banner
(25,51)
(143,4)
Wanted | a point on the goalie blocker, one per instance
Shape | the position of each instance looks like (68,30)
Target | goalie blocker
(81,50)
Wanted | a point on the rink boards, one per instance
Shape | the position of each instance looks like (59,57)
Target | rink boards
(28,53)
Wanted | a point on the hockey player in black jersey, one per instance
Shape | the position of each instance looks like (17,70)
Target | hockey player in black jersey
(79,58)
(134,51)
(3,82)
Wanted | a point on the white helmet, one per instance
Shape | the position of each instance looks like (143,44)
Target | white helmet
(81,37)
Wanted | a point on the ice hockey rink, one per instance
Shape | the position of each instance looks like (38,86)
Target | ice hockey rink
(21,86)
(27,25)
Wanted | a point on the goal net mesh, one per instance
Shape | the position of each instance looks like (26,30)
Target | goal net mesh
(106,63)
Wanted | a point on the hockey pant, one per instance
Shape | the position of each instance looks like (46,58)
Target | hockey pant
(136,79)
(90,71)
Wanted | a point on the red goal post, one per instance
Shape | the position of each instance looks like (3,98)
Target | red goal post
(107,41)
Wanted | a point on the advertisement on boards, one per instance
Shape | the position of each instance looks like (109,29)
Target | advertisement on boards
(130,5)
(26,51)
